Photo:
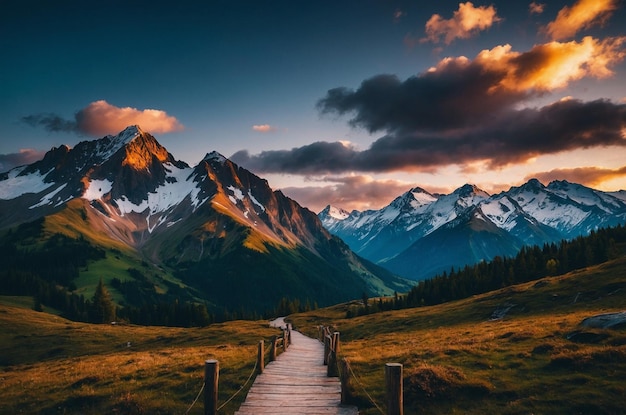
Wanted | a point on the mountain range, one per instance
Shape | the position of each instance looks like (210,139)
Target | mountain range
(214,231)
(420,234)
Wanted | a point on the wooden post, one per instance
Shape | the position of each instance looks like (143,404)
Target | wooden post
(326,348)
(211,378)
(273,349)
(261,357)
(393,386)
(331,370)
(345,381)
(289,332)
(285,340)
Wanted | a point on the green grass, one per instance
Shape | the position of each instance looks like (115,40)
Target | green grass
(50,365)
(456,360)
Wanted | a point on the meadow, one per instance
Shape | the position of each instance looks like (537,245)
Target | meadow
(517,350)
(50,365)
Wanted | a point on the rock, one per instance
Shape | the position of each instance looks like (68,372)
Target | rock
(606,321)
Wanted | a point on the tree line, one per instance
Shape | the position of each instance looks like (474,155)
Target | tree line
(47,272)
(531,263)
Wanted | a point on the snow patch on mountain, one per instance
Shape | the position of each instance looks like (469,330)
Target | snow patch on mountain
(15,185)
(237,194)
(176,188)
(255,201)
(47,199)
(97,189)
(502,212)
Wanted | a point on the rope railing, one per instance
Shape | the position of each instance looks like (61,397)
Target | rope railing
(240,389)
(393,375)
(195,400)
(211,376)
(364,390)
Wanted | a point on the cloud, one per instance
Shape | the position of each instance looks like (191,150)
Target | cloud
(582,15)
(25,156)
(101,118)
(466,111)
(360,192)
(465,22)
(398,15)
(536,8)
(263,128)
(588,176)
(51,122)
(446,95)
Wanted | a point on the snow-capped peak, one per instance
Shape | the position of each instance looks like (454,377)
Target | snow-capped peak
(214,155)
(337,213)
(111,144)
(422,197)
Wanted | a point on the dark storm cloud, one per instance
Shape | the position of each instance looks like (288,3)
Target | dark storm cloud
(466,110)
(51,122)
(26,156)
(313,158)
(452,97)
(511,137)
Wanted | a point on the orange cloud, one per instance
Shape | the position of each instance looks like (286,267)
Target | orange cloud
(101,118)
(263,128)
(588,176)
(549,66)
(466,21)
(536,8)
(582,15)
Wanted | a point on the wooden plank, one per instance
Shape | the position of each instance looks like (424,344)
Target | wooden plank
(296,383)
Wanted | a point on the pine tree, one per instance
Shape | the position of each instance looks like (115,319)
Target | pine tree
(102,307)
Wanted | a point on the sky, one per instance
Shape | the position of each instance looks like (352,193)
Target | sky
(349,103)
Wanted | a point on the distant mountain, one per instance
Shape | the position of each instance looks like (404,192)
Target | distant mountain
(420,234)
(216,230)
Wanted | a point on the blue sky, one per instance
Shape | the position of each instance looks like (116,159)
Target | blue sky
(252,79)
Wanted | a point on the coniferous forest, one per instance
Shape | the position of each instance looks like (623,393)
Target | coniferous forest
(48,276)
(531,263)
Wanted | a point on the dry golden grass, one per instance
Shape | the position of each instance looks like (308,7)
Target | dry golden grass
(50,365)
(457,360)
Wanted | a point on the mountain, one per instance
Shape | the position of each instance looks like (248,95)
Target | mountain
(213,233)
(420,234)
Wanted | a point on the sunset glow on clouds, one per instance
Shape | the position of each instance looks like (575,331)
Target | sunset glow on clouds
(329,102)
(466,22)
(101,118)
(263,128)
(582,15)
(552,65)
(469,112)
(591,176)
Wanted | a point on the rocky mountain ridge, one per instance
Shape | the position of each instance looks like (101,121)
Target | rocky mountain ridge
(419,233)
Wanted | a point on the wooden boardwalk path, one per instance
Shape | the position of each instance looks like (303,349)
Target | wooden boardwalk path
(296,384)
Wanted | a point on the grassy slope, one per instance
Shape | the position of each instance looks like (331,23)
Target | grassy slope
(50,365)
(456,360)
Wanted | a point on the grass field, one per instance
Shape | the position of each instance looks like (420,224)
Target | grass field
(537,359)
(49,365)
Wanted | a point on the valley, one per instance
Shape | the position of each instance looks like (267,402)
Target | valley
(458,357)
